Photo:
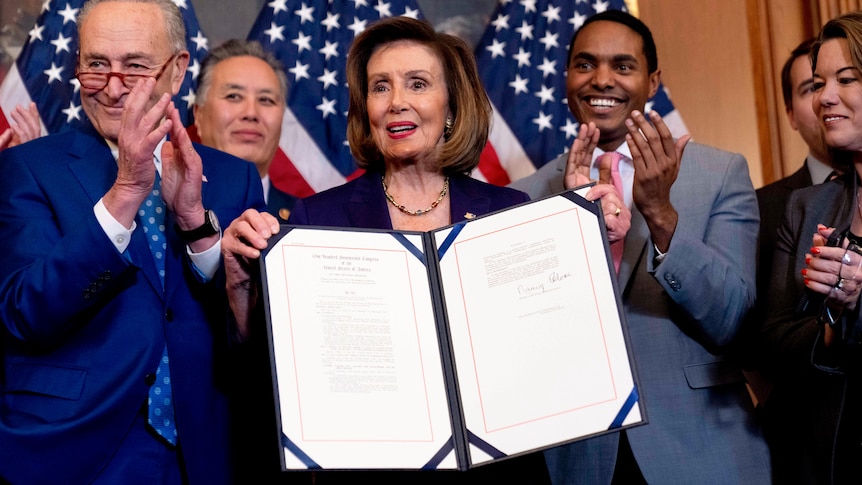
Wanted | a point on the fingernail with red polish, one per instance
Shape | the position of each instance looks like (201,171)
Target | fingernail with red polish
(815,250)
(804,272)
(806,281)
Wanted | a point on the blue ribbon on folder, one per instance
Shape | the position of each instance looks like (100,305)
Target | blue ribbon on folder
(298,453)
(626,409)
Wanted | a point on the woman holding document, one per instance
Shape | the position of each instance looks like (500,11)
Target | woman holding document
(813,328)
(418,121)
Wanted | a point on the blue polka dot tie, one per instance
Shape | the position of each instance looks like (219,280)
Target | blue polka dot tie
(159,404)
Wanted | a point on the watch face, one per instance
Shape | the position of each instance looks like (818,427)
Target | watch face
(213,219)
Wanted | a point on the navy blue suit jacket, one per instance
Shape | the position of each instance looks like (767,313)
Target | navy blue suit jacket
(83,325)
(279,203)
(361,203)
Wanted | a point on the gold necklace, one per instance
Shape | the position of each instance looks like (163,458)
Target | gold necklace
(417,212)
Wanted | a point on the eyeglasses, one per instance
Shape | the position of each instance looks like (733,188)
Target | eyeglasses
(98,80)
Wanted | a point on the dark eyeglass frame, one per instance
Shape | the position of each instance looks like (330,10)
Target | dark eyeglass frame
(124,78)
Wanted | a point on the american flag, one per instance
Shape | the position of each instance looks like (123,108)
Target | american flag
(44,72)
(311,39)
(522,61)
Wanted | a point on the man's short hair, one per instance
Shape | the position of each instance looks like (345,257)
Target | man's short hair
(173,19)
(803,49)
(631,22)
(238,48)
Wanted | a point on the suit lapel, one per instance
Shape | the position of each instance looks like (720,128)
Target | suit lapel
(634,249)
(95,168)
(465,201)
(366,206)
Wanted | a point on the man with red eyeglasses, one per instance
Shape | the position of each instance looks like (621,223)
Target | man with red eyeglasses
(113,330)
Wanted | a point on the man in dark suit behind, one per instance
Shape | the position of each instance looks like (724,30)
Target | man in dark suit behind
(97,315)
(239,109)
(796,84)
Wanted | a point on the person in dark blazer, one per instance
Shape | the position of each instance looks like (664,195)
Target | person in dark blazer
(780,412)
(687,273)
(418,121)
(813,328)
(242,91)
(87,317)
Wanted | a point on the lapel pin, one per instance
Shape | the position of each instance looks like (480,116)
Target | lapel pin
(469,215)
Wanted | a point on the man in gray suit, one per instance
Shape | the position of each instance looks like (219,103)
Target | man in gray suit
(687,273)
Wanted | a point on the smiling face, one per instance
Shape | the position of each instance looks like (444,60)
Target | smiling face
(838,96)
(408,102)
(127,38)
(608,78)
(243,110)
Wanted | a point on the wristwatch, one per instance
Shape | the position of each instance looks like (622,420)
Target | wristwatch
(208,228)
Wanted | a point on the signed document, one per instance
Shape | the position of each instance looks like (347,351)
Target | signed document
(445,350)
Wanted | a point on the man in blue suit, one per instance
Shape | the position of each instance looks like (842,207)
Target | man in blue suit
(686,273)
(94,317)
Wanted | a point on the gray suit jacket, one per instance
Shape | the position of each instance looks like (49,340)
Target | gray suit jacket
(682,314)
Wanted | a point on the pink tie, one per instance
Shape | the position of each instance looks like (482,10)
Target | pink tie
(617,181)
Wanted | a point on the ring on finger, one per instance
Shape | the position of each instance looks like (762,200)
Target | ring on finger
(617,212)
(839,284)
(846,258)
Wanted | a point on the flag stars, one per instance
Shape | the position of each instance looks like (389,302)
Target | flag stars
(54,73)
(552,14)
(330,49)
(500,23)
(648,106)
(189,98)
(277,6)
(570,129)
(76,85)
(546,94)
(519,84)
(305,13)
(275,32)
(331,21)
(550,40)
(523,57)
(46,6)
(181,4)
(548,67)
(529,5)
(383,8)
(36,33)
(61,43)
(496,48)
(577,20)
(543,121)
(601,6)
(526,31)
(69,14)
(302,41)
(200,41)
(195,69)
(328,78)
(412,13)
(72,112)
(299,71)
(360,3)
(326,107)
(358,25)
